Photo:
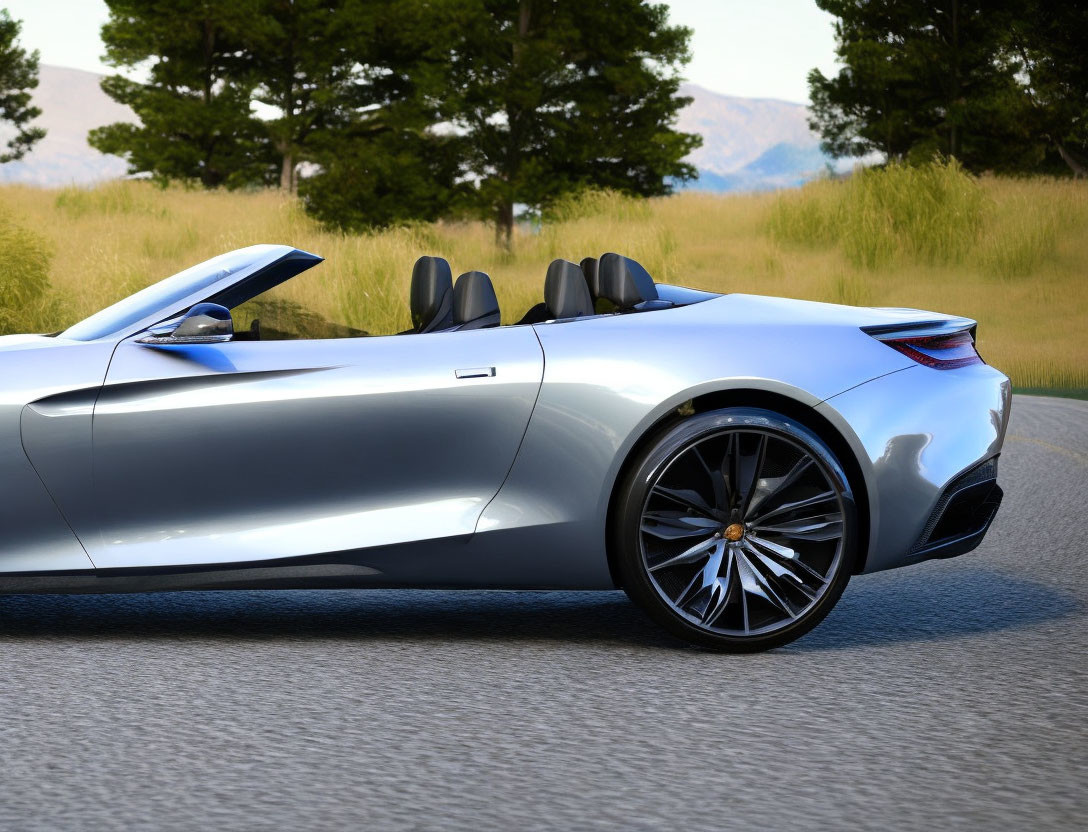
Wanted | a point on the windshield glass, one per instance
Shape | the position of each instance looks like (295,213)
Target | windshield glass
(166,292)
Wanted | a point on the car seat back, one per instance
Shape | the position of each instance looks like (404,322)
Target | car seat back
(566,293)
(624,282)
(431,295)
(474,303)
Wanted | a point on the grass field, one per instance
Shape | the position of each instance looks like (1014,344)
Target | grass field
(1012,254)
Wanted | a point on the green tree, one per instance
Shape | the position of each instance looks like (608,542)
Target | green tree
(549,96)
(1048,47)
(921,79)
(406,108)
(245,91)
(306,57)
(195,109)
(18,76)
(384,177)
(380,154)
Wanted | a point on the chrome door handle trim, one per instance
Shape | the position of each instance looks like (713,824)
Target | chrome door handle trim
(475,372)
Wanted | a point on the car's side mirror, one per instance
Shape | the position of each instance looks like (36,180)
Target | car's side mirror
(205,323)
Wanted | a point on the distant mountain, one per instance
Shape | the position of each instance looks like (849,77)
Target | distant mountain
(783,166)
(72,103)
(750,144)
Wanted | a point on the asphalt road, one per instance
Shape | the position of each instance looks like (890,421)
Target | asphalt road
(948,695)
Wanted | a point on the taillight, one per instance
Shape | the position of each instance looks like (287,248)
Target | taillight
(941,352)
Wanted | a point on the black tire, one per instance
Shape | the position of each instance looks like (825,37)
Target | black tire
(779,551)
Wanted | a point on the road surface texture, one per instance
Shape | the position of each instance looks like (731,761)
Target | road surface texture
(948,695)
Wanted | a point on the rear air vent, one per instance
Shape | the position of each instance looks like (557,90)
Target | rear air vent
(962,514)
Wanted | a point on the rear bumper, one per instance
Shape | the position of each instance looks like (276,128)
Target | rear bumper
(927,443)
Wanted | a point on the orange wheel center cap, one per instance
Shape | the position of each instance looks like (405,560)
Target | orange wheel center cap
(734,532)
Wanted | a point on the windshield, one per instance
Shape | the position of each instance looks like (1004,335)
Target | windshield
(160,295)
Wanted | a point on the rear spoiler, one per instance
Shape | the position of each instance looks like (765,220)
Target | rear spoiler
(939,344)
(921,329)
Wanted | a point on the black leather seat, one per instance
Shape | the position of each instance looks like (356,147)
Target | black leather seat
(592,273)
(474,303)
(431,295)
(625,282)
(566,293)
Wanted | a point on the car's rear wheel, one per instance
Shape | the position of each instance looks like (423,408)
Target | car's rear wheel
(736,529)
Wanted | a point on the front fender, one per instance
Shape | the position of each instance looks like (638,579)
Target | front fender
(35,535)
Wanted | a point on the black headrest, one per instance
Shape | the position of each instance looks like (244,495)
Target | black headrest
(624,282)
(474,303)
(592,273)
(566,293)
(432,294)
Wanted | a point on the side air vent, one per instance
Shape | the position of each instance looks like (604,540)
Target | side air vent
(962,515)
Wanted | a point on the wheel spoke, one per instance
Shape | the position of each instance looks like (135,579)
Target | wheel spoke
(715,476)
(690,591)
(675,526)
(785,553)
(699,550)
(743,597)
(742,468)
(820,527)
(781,570)
(755,583)
(703,579)
(686,497)
(719,603)
(786,508)
(778,488)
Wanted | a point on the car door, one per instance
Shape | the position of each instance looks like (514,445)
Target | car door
(255,450)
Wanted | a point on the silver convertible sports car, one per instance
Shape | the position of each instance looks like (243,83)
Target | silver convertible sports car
(730,461)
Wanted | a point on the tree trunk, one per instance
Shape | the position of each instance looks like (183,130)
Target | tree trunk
(208,177)
(504,224)
(504,215)
(1079,170)
(954,136)
(288,180)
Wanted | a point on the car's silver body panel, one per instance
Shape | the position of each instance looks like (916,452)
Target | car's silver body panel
(367,461)
(260,449)
(913,432)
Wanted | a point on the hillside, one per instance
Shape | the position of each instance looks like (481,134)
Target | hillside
(748,143)
(72,103)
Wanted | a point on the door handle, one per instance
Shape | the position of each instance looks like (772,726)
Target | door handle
(475,372)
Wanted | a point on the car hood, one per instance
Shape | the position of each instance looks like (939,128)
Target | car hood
(10,343)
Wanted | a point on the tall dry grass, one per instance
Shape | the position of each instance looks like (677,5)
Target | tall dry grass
(1012,254)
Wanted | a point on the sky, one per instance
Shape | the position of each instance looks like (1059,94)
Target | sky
(750,48)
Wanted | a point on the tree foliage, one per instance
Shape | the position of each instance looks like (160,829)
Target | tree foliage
(403,109)
(502,103)
(996,84)
(385,158)
(305,59)
(1048,46)
(18,76)
(552,96)
(194,110)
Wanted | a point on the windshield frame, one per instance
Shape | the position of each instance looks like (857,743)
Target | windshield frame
(173,295)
